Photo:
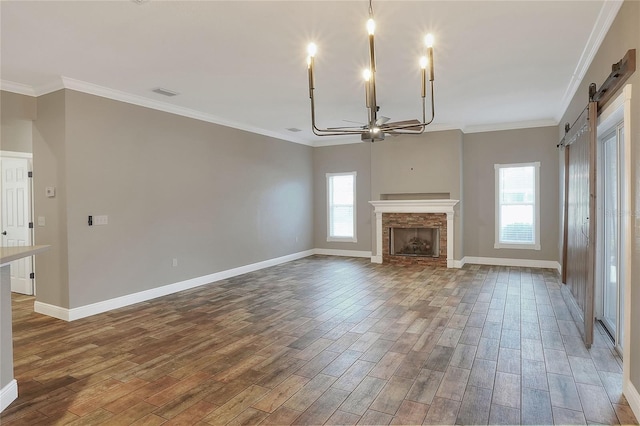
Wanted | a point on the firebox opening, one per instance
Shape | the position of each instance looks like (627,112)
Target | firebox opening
(423,242)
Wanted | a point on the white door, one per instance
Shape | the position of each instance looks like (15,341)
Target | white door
(16,213)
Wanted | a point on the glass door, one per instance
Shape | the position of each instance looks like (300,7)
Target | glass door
(612,290)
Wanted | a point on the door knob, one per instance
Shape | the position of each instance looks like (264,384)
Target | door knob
(4,232)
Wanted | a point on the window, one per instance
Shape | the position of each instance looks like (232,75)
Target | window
(518,206)
(341,207)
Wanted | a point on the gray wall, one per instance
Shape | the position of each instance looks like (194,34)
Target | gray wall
(49,169)
(481,152)
(336,159)
(213,197)
(428,163)
(623,35)
(17,113)
(446,162)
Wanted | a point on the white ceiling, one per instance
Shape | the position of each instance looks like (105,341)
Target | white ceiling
(498,64)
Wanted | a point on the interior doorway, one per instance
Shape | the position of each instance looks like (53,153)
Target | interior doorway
(612,251)
(16,210)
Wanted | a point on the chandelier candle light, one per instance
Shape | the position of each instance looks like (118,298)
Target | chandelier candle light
(376,128)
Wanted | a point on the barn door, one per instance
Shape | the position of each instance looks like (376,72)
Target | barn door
(580,221)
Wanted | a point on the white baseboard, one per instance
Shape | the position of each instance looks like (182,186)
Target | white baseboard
(51,310)
(8,394)
(499,261)
(347,253)
(457,263)
(633,397)
(142,296)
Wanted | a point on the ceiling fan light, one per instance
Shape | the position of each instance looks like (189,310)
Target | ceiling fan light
(423,62)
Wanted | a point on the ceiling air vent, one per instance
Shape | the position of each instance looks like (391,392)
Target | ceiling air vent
(294,129)
(164,92)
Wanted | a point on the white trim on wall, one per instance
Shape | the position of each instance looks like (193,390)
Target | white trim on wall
(16,154)
(605,18)
(19,88)
(8,394)
(329,183)
(500,261)
(633,397)
(131,299)
(117,95)
(142,296)
(536,208)
(625,232)
(346,253)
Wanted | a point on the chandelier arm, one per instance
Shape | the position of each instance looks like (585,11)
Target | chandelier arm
(316,130)
(423,124)
(371,102)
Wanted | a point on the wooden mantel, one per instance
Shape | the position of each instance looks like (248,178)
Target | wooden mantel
(414,206)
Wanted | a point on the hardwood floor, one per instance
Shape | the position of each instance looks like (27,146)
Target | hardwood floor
(323,340)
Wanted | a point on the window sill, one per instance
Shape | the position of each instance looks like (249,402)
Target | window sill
(342,240)
(516,246)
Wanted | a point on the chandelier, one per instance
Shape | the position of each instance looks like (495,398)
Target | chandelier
(376,127)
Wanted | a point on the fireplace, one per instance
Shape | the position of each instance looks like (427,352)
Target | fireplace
(426,230)
(423,242)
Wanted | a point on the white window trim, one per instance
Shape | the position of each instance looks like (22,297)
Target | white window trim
(526,246)
(353,239)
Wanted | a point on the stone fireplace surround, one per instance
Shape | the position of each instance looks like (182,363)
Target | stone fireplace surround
(426,207)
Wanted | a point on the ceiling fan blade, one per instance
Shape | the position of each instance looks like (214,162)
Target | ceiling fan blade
(416,128)
(382,120)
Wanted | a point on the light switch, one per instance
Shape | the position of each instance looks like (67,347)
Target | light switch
(101,220)
(50,191)
(41,221)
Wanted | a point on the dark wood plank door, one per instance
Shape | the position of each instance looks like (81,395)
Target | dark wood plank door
(581,226)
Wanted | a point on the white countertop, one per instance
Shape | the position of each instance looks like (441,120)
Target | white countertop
(9,254)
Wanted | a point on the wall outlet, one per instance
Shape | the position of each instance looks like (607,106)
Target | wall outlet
(101,220)
(41,221)
(175,262)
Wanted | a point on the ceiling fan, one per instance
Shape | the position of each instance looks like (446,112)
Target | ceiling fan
(383,127)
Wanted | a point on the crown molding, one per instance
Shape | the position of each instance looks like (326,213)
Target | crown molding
(53,86)
(19,88)
(117,95)
(608,13)
(516,125)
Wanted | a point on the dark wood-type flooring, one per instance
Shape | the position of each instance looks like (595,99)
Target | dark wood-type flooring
(324,340)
